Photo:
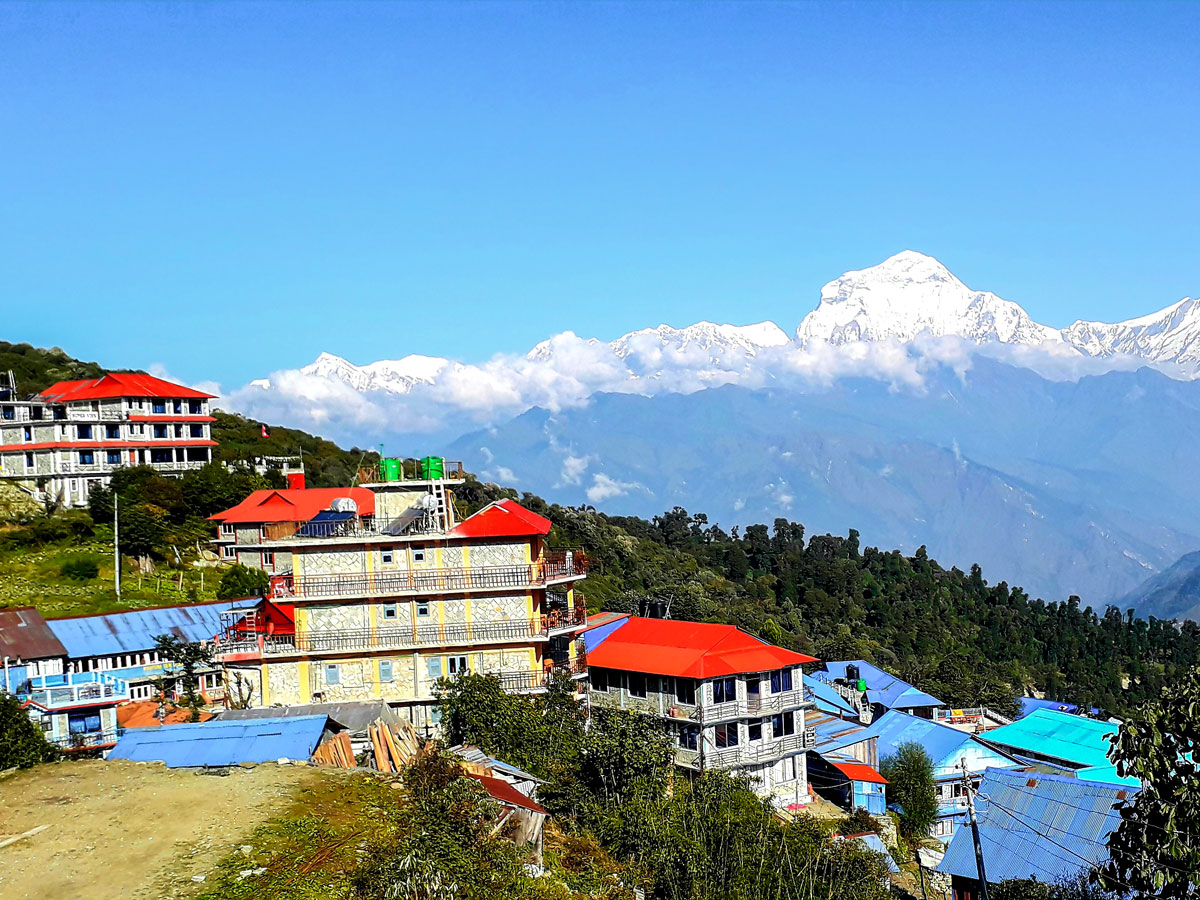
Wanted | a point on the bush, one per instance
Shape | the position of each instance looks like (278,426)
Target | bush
(22,743)
(241,581)
(80,568)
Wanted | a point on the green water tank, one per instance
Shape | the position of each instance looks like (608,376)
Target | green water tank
(389,469)
(862,684)
(433,467)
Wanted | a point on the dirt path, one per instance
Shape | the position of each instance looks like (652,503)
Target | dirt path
(129,831)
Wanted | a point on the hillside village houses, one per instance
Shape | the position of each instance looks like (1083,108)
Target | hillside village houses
(378,592)
(61,442)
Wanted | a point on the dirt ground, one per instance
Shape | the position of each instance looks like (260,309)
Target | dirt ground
(129,831)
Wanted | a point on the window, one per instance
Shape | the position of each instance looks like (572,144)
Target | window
(29,460)
(9,413)
(83,723)
(268,561)
(423,610)
(60,412)
(28,433)
(689,737)
(755,730)
(685,690)
(112,432)
(783,724)
(727,735)
(196,431)
(333,674)
(195,407)
(83,432)
(418,554)
(87,458)
(433,668)
(178,431)
(113,457)
(637,684)
(389,611)
(161,455)
(385,670)
(229,551)
(599,678)
(227,528)
(781,680)
(160,431)
(158,406)
(35,413)
(387,556)
(457,665)
(177,406)
(137,429)
(724,690)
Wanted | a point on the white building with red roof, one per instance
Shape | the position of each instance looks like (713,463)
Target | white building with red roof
(378,591)
(729,700)
(72,436)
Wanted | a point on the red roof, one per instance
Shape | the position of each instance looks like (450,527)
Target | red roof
(501,790)
(294,504)
(119,384)
(858,772)
(507,518)
(689,650)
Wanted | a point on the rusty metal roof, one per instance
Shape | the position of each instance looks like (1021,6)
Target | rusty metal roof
(25,635)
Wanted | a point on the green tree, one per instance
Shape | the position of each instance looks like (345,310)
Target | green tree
(187,658)
(1155,850)
(909,773)
(241,581)
(22,743)
(143,528)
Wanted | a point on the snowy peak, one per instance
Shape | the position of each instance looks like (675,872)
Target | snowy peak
(398,376)
(910,294)
(1169,335)
(719,341)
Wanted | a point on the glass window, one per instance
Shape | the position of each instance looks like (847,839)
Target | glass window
(685,690)
(195,407)
(87,458)
(28,433)
(160,431)
(162,455)
(724,690)
(60,412)
(385,670)
(781,680)
(433,668)
(229,551)
(83,723)
(599,679)
(755,730)
(637,684)
(457,665)
(114,457)
(389,611)
(177,406)
(689,737)
(783,724)
(418,554)
(112,432)
(227,528)
(35,413)
(83,432)
(333,675)
(29,460)
(727,735)
(387,555)
(10,413)
(423,610)
(159,406)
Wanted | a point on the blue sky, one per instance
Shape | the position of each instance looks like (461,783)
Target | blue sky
(231,189)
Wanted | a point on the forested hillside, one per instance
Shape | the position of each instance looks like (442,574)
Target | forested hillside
(950,632)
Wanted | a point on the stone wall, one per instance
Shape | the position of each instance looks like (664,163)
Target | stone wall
(339,617)
(330,562)
(283,684)
(500,608)
(500,554)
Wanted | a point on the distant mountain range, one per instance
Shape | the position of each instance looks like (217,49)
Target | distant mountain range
(906,404)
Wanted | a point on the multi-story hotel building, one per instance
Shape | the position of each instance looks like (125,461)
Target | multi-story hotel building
(730,699)
(75,434)
(377,592)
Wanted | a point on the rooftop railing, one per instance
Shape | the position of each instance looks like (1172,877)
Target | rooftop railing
(385,638)
(751,753)
(91,740)
(56,691)
(409,471)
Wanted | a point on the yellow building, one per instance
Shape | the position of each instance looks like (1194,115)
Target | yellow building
(379,593)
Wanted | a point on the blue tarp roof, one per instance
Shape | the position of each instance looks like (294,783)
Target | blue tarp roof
(829,700)
(135,630)
(1047,827)
(1074,739)
(222,743)
(875,842)
(883,687)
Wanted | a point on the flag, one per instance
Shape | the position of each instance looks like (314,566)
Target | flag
(266,432)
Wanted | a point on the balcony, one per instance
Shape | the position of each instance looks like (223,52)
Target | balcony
(763,704)
(536,680)
(384,638)
(53,692)
(549,569)
(748,754)
(92,740)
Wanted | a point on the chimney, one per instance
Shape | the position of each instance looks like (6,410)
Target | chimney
(296,481)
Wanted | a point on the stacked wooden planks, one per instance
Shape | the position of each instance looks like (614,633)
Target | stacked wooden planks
(335,752)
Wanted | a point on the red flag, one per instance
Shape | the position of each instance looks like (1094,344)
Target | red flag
(266,432)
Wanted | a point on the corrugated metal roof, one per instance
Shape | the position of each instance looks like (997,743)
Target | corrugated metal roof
(1047,732)
(1018,811)
(875,842)
(833,733)
(222,743)
(884,687)
(25,635)
(135,630)
(943,743)
(354,715)
(475,755)
(828,699)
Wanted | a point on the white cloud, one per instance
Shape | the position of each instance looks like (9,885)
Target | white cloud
(573,468)
(605,488)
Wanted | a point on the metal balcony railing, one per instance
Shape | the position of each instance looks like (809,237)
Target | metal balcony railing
(88,741)
(760,751)
(384,638)
(56,691)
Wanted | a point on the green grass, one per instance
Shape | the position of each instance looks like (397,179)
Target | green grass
(33,577)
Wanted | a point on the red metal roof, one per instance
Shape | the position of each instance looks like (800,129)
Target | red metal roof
(506,518)
(501,790)
(689,650)
(294,504)
(119,384)
(109,445)
(858,771)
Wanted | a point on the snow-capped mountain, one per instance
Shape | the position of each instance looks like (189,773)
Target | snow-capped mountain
(910,294)
(398,376)
(1169,335)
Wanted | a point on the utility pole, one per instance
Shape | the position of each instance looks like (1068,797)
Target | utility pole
(117,544)
(983,886)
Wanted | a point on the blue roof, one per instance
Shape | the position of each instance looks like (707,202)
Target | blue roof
(1029,704)
(945,745)
(1046,732)
(222,743)
(829,700)
(833,733)
(875,842)
(135,630)
(1047,827)
(883,687)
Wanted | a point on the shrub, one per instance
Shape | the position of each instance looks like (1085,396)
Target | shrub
(80,568)
(22,744)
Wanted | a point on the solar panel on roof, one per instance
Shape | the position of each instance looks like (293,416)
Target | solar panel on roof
(404,521)
(326,523)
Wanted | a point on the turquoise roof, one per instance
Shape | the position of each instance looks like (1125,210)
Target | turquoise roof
(1074,739)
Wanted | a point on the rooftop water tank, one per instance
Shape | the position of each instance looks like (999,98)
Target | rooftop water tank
(433,467)
(389,469)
